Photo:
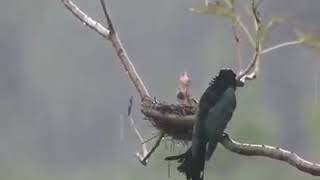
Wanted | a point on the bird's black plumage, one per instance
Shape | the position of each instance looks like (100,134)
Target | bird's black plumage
(215,110)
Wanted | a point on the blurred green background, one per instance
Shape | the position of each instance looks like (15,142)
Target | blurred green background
(63,93)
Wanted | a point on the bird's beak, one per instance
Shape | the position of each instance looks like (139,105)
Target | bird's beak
(239,83)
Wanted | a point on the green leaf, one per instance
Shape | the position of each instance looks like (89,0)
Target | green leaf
(311,41)
(217,9)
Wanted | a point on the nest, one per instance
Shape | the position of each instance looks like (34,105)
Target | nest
(175,120)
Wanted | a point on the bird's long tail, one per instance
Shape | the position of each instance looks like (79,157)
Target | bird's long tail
(184,161)
(196,167)
(212,145)
(192,165)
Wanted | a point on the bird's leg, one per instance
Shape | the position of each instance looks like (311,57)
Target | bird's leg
(223,136)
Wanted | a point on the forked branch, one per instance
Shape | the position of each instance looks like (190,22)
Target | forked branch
(85,19)
(252,69)
(271,152)
(110,34)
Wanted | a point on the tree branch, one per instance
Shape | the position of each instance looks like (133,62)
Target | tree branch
(236,35)
(246,31)
(244,75)
(111,35)
(253,66)
(285,44)
(271,152)
(143,145)
(154,147)
(109,22)
(237,21)
(85,19)
(144,157)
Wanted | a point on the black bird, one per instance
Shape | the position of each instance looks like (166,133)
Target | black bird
(216,107)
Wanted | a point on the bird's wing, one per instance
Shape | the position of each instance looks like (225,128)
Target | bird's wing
(198,148)
(212,145)
(195,167)
(218,118)
(210,98)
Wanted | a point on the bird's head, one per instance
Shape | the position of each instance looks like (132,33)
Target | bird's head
(227,77)
(224,80)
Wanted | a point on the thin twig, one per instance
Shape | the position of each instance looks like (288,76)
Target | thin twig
(110,25)
(256,15)
(253,66)
(236,37)
(155,146)
(143,158)
(238,46)
(144,147)
(116,43)
(246,31)
(146,141)
(244,75)
(130,106)
(240,23)
(85,19)
(257,21)
(285,44)
(271,152)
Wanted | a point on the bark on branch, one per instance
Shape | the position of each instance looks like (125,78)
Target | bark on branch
(111,35)
(271,152)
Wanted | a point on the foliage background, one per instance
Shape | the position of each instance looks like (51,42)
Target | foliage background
(62,92)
